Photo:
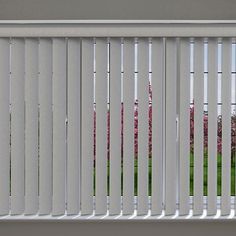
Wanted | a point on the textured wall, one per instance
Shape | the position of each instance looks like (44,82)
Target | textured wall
(117,9)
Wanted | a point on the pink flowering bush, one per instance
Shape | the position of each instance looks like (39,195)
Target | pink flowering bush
(219,132)
(205,126)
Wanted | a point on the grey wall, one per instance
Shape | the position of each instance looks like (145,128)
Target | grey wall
(118,229)
(117,9)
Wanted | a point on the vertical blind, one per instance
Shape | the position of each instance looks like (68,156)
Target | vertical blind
(103,126)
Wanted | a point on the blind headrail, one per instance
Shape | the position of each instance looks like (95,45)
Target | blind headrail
(118,28)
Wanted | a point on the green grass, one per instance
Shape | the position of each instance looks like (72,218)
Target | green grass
(205,166)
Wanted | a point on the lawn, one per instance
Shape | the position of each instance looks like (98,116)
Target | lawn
(218,174)
(191,175)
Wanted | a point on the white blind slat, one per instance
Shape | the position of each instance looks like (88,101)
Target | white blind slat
(212,125)
(59,128)
(101,125)
(157,124)
(31,126)
(198,125)
(87,156)
(226,126)
(170,148)
(73,150)
(4,125)
(184,126)
(115,126)
(45,126)
(143,124)
(17,125)
(128,126)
